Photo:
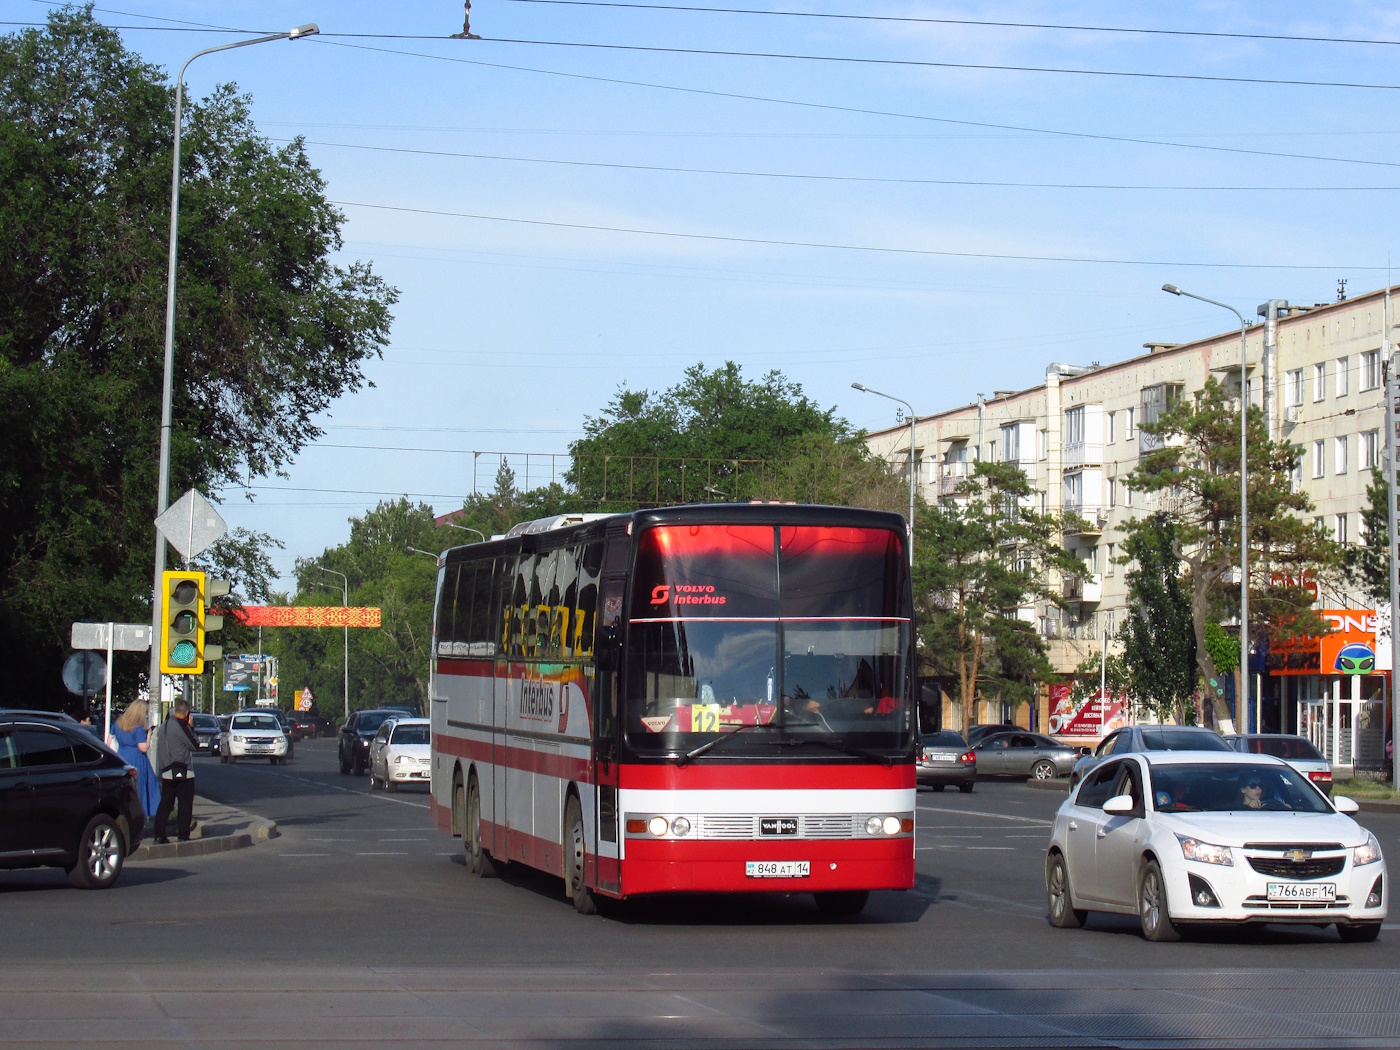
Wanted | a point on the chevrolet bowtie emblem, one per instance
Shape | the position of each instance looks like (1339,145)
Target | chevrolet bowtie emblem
(1297,856)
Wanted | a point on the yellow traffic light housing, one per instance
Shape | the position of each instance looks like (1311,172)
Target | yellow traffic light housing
(212,621)
(182,622)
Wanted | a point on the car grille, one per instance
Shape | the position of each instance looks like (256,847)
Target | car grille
(1280,847)
(1262,903)
(745,826)
(1282,867)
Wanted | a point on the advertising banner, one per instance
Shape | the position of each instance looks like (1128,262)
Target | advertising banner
(1090,718)
(1349,648)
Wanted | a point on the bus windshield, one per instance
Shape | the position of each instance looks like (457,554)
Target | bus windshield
(802,628)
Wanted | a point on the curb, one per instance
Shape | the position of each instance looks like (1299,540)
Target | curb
(258,830)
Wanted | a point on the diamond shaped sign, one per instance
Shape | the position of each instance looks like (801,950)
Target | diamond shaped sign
(191,524)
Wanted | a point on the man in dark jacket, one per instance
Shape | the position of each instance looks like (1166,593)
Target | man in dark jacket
(177,746)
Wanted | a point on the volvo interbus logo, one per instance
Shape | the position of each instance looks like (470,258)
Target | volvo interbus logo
(659,594)
(777,825)
(536,700)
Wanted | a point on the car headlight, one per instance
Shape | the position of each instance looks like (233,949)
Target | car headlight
(238,739)
(403,760)
(1367,854)
(1195,849)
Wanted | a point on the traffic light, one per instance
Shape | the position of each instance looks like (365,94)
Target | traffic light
(212,620)
(182,622)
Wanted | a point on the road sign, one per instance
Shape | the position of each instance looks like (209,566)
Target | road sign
(191,524)
(304,699)
(84,673)
(126,637)
(240,672)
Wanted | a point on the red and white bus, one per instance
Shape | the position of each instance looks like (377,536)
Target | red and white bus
(709,698)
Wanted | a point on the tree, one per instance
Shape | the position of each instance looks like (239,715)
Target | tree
(1368,562)
(1158,635)
(716,436)
(1194,472)
(268,331)
(980,557)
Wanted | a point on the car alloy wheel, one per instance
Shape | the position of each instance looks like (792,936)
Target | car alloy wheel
(1043,770)
(101,851)
(1060,901)
(1152,905)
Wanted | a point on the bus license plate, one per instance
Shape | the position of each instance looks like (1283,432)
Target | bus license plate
(777,869)
(1302,891)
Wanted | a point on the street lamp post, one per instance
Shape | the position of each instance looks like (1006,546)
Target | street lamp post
(163,482)
(1244,494)
(430,554)
(866,390)
(345,604)
(466,528)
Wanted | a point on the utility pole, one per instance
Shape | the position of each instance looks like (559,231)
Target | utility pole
(1392,392)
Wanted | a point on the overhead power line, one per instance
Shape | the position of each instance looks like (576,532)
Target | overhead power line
(837,246)
(985,23)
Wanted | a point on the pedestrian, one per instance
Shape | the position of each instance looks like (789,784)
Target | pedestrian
(177,746)
(129,739)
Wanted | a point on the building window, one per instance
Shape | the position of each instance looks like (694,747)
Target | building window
(1319,381)
(1074,427)
(1293,388)
(1112,492)
(1108,568)
(1319,457)
(1011,443)
(1042,446)
(1343,377)
(1370,370)
(1129,423)
(1339,528)
(1110,429)
(1127,495)
(1370,449)
(1339,445)
(1295,475)
(1074,492)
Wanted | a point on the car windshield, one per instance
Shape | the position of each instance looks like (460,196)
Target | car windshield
(256,722)
(1284,747)
(410,735)
(1233,787)
(1171,738)
(716,644)
(944,738)
(371,720)
(204,721)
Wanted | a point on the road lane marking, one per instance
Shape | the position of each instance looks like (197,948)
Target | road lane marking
(984,813)
(392,853)
(349,791)
(303,854)
(992,847)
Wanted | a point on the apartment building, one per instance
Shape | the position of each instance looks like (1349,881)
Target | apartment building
(1078,437)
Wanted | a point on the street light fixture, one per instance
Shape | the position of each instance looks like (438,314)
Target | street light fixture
(1244,495)
(866,390)
(466,528)
(163,483)
(415,550)
(345,604)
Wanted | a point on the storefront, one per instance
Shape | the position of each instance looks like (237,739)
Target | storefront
(1335,688)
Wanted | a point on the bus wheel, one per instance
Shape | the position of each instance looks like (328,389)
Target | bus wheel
(842,902)
(478,859)
(575,845)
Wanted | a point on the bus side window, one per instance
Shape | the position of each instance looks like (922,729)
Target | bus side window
(586,607)
(461,620)
(544,583)
(502,583)
(479,631)
(447,593)
(520,628)
(560,601)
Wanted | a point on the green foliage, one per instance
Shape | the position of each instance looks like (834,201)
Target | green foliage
(268,331)
(1224,648)
(1368,563)
(1195,478)
(716,437)
(979,557)
(1158,635)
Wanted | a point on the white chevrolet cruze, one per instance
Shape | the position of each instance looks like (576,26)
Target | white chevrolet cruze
(254,734)
(400,753)
(1181,838)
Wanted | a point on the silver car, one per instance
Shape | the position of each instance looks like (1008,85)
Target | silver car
(1138,740)
(1297,751)
(1023,754)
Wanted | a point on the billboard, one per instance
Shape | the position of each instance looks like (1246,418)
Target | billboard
(1089,718)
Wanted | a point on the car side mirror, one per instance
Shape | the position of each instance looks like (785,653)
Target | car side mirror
(1119,805)
(1342,804)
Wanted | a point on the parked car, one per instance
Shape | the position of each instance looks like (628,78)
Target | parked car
(1023,754)
(352,745)
(1297,751)
(1137,739)
(255,734)
(400,753)
(944,758)
(68,801)
(223,722)
(976,732)
(404,710)
(1211,837)
(206,727)
(300,726)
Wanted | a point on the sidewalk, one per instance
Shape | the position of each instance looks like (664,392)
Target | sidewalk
(219,828)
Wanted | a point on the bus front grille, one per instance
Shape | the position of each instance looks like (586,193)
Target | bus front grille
(746,826)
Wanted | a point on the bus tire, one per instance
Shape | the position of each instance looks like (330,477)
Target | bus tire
(478,858)
(842,902)
(575,847)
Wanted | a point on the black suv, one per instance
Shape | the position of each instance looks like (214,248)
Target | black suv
(355,737)
(207,728)
(68,801)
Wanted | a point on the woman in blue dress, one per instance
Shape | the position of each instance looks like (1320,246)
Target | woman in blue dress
(130,733)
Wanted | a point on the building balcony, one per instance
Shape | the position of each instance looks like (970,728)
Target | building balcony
(1092,519)
(1084,588)
(1082,454)
(951,475)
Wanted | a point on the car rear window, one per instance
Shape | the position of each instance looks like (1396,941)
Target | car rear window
(1284,747)
(1169,738)
(945,738)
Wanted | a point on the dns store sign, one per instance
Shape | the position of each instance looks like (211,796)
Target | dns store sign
(1349,648)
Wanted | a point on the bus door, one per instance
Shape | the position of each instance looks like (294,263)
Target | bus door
(606,723)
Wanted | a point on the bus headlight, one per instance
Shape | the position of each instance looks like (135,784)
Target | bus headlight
(891,825)
(874,826)
(658,826)
(680,826)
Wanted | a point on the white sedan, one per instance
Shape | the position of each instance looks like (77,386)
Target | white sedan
(400,753)
(254,734)
(1181,838)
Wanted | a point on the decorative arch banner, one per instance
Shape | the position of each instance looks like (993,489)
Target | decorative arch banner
(308,616)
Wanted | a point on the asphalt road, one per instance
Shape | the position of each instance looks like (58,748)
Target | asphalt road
(360,923)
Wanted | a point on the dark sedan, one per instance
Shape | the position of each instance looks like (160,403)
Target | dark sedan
(206,727)
(944,759)
(355,736)
(1022,754)
(67,801)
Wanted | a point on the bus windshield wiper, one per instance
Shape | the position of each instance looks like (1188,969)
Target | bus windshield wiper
(838,744)
(712,744)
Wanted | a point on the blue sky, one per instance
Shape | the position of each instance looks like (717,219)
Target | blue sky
(509,333)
